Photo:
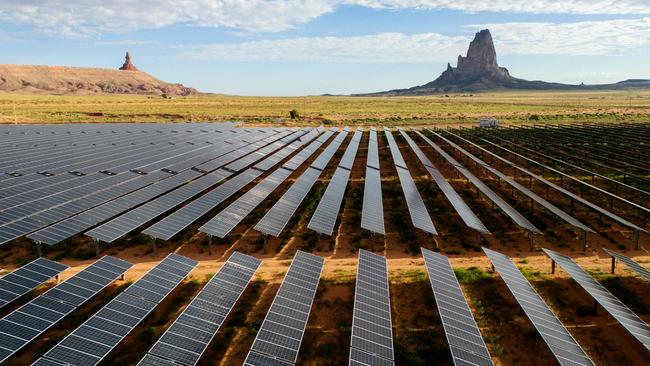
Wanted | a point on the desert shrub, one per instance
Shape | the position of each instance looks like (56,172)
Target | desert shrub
(471,274)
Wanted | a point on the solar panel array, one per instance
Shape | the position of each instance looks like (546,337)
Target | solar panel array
(372,213)
(186,339)
(564,191)
(466,213)
(626,317)
(418,211)
(182,218)
(281,333)
(636,267)
(565,349)
(532,195)
(26,278)
(97,336)
(174,223)
(76,224)
(32,319)
(324,218)
(275,220)
(279,215)
(465,341)
(575,179)
(226,220)
(487,191)
(372,334)
(69,173)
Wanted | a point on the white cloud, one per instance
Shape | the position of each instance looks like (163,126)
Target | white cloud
(91,17)
(581,38)
(518,6)
(383,47)
(126,42)
(82,18)
(610,37)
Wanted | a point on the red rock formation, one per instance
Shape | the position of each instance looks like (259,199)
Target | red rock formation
(127,64)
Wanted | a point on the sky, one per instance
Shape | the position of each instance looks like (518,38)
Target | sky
(309,47)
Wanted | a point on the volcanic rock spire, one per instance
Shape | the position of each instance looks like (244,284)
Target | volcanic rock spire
(480,63)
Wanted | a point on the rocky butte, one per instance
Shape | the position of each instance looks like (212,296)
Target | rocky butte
(128,65)
(480,71)
(39,79)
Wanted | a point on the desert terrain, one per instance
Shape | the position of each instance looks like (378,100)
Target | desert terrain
(418,335)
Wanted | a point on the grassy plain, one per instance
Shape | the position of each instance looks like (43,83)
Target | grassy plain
(509,107)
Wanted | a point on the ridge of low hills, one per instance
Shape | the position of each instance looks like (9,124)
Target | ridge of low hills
(42,79)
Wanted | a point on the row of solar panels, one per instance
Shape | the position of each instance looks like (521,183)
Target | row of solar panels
(126,201)
(279,338)
(106,199)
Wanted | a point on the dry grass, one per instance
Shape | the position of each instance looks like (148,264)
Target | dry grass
(510,107)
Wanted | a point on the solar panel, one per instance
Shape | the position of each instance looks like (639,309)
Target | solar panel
(565,349)
(532,195)
(279,215)
(32,319)
(187,338)
(182,218)
(226,220)
(372,213)
(127,183)
(489,193)
(258,359)
(131,220)
(74,225)
(636,267)
(101,333)
(281,333)
(324,218)
(418,211)
(324,158)
(463,336)
(361,358)
(571,177)
(305,153)
(466,213)
(371,321)
(231,216)
(570,194)
(372,159)
(626,317)
(26,278)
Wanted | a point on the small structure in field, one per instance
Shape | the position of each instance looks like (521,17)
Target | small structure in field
(489,123)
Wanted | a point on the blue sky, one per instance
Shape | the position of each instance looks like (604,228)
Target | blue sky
(307,47)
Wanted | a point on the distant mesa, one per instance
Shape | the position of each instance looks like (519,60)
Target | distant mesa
(479,71)
(61,80)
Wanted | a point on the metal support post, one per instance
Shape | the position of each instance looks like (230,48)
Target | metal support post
(154,247)
(552,266)
(39,249)
(96,243)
